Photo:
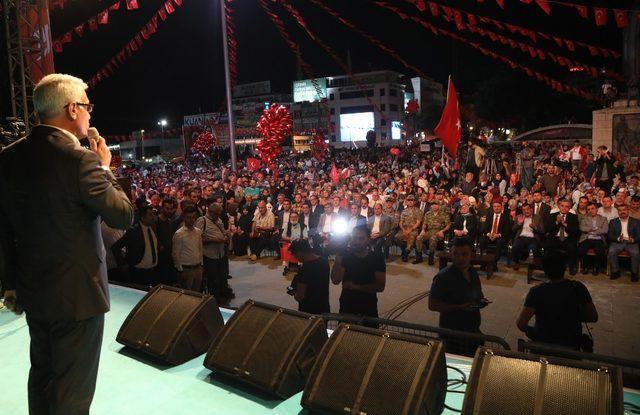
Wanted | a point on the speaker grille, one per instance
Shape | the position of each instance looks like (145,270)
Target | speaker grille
(510,384)
(260,343)
(171,324)
(372,372)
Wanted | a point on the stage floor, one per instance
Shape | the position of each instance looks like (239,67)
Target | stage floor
(127,385)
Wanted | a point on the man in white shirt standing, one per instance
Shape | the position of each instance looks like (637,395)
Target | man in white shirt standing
(187,251)
(214,240)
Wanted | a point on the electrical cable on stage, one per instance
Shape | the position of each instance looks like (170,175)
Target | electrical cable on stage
(455,382)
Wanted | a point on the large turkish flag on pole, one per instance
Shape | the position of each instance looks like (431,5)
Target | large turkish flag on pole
(449,129)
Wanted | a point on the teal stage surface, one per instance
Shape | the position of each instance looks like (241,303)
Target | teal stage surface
(127,385)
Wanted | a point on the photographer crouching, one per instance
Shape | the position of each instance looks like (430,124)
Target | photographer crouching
(362,274)
(310,287)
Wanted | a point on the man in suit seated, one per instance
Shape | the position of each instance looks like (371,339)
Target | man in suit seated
(380,226)
(624,234)
(527,229)
(465,223)
(539,207)
(141,245)
(594,228)
(561,231)
(355,219)
(496,230)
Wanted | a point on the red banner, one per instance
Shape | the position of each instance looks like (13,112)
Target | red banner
(39,64)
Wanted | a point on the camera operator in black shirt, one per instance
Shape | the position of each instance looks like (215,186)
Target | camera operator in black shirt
(560,306)
(362,274)
(310,287)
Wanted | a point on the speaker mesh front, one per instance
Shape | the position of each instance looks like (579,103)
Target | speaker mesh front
(231,352)
(507,385)
(171,321)
(572,391)
(272,349)
(341,380)
(517,377)
(392,377)
(138,327)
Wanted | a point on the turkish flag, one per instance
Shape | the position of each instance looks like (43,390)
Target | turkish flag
(79,30)
(601,16)
(449,129)
(420,5)
(115,6)
(500,3)
(544,6)
(67,38)
(253,164)
(334,174)
(93,24)
(622,19)
(132,4)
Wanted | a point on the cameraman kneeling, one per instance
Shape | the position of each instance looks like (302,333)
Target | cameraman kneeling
(311,284)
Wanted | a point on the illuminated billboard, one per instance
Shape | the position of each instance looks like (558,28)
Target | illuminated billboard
(354,127)
(305,90)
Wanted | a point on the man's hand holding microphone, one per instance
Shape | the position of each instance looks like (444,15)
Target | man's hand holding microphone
(98,145)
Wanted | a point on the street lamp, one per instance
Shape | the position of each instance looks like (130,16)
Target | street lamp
(162,123)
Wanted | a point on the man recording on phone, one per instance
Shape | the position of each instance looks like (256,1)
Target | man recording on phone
(54,256)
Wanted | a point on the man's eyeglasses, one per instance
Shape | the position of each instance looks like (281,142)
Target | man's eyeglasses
(88,107)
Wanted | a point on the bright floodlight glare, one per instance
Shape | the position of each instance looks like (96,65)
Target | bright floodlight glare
(162,122)
(340,227)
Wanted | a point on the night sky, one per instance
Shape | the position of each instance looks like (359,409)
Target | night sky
(179,70)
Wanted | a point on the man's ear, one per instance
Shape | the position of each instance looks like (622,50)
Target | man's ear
(71,111)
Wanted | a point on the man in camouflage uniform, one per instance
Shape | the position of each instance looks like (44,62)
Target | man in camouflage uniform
(391,211)
(410,221)
(435,224)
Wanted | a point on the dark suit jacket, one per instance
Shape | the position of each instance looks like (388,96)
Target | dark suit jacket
(54,193)
(314,217)
(551,227)
(280,218)
(545,210)
(615,229)
(538,223)
(133,242)
(504,225)
(386,224)
(472,225)
(361,220)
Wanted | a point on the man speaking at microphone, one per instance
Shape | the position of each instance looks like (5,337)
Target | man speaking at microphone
(54,194)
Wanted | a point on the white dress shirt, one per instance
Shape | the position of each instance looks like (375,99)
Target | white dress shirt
(327,224)
(527,232)
(376,224)
(624,224)
(187,247)
(147,258)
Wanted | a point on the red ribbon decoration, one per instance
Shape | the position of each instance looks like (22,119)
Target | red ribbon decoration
(318,146)
(203,143)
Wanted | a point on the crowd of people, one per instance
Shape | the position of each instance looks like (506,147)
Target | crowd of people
(509,202)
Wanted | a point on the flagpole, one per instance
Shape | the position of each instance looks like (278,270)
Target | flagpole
(227,76)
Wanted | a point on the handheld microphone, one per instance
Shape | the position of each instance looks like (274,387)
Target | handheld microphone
(93,134)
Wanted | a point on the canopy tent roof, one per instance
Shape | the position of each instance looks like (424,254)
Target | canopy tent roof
(557,132)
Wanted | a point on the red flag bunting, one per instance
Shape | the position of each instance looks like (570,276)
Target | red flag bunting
(434,8)
(115,6)
(177,2)
(57,46)
(68,37)
(582,11)
(132,4)
(622,20)
(600,15)
(449,129)
(103,17)
(79,30)
(163,14)
(500,3)
(471,19)
(168,6)
(570,45)
(93,24)
(544,6)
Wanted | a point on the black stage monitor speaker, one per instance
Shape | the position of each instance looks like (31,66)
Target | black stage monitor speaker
(171,324)
(369,371)
(509,383)
(268,347)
